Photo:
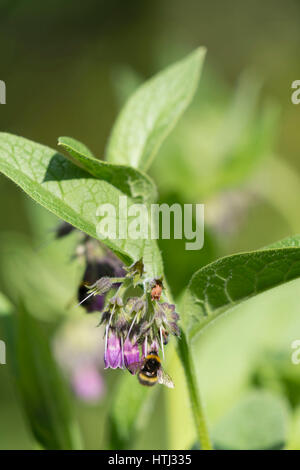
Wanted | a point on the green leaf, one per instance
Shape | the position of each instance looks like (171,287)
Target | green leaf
(43,393)
(288,242)
(259,421)
(221,285)
(78,147)
(130,181)
(71,193)
(152,112)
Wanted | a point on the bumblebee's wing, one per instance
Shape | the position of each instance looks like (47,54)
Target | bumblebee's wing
(134,367)
(164,379)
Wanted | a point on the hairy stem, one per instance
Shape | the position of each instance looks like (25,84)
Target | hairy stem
(197,407)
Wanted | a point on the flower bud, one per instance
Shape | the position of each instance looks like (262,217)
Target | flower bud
(102,286)
(136,271)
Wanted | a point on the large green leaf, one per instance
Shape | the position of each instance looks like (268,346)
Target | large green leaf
(71,193)
(42,391)
(259,421)
(129,180)
(152,112)
(228,281)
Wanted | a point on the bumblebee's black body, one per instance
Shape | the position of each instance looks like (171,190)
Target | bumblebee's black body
(148,372)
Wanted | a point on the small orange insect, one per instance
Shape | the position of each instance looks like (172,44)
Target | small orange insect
(156,290)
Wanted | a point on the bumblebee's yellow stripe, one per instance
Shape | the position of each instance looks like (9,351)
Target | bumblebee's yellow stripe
(153,356)
(145,380)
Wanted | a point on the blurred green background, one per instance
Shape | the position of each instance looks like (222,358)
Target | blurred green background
(68,68)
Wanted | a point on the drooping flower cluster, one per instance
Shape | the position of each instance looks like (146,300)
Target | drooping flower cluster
(134,309)
(134,324)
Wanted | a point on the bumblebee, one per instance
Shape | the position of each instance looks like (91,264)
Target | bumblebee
(150,371)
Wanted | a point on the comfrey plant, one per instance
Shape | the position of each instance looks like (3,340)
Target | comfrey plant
(136,325)
(127,286)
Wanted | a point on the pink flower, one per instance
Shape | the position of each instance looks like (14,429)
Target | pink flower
(131,353)
(148,348)
(113,357)
(88,383)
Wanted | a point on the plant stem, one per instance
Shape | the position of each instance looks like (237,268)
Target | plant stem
(197,407)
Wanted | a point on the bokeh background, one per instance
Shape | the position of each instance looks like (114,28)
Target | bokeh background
(68,68)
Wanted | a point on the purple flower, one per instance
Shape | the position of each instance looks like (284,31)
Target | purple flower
(150,347)
(154,346)
(131,353)
(113,356)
